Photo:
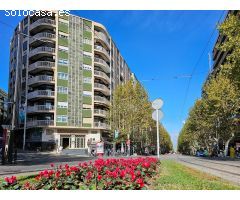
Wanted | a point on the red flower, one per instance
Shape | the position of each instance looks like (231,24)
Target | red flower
(27,185)
(99,177)
(68,173)
(146,165)
(66,166)
(57,174)
(133,177)
(140,182)
(11,180)
(37,178)
(52,165)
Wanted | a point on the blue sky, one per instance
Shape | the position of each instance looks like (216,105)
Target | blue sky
(156,45)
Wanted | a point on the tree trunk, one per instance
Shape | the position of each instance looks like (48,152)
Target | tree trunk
(226,145)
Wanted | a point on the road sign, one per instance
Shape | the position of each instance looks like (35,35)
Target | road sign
(157,104)
(160,115)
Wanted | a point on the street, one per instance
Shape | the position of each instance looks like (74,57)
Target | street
(31,163)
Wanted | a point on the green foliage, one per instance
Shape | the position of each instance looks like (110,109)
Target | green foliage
(213,117)
(131,114)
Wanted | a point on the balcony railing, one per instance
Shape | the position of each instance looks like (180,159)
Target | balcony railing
(41,93)
(42,36)
(102,87)
(35,123)
(103,63)
(41,50)
(101,125)
(41,65)
(40,108)
(42,21)
(102,36)
(101,100)
(99,48)
(41,78)
(100,112)
(102,75)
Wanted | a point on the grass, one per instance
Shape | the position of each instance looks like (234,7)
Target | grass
(175,176)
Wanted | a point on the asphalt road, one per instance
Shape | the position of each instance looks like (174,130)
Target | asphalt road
(224,168)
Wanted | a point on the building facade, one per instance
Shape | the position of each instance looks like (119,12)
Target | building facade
(3,106)
(63,70)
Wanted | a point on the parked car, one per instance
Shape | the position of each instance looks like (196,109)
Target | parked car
(200,153)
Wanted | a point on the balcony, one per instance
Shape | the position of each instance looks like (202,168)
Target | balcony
(101,100)
(102,37)
(42,24)
(102,63)
(36,123)
(42,79)
(44,51)
(102,88)
(102,51)
(41,94)
(40,108)
(42,37)
(100,113)
(40,66)
(102,75)
(101,125)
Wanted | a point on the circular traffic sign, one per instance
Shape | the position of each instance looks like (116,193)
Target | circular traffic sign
(160,115)
(157,104)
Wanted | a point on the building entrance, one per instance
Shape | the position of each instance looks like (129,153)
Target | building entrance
(65,142)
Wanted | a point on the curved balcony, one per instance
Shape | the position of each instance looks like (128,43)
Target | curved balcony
(42,37)
(43,23)
(40,66)
(100,113)
(35,123)
(101,125)
(101,100)
(42,79)
(102,76)
(102,63)
(44,51)
(99,36)
(102,51)
(40,108)
(41,94)
(102,88)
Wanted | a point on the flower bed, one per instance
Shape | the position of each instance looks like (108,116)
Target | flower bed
(124,174)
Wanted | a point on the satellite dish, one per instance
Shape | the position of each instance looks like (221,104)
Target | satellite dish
(160,115)
(157,104)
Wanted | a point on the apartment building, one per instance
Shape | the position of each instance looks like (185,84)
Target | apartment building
(219,57)
(3,106)
(63,70)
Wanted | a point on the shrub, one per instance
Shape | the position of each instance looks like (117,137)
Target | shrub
(108,174)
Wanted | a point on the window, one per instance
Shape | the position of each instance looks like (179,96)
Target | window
(63,36)
(79,142)
(62,48)
(62,118)
(62,104)
(87,28)
(87,93)
(87,67)
(63,62)
(87,80)
(62,75)
(87,41)
(25,46)
(62,90)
